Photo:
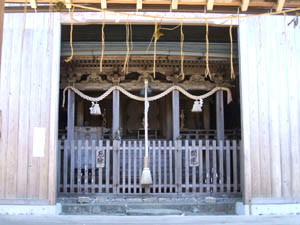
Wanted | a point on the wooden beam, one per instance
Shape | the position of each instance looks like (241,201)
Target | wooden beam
(174,5)
(245,4)
(1,27)
(176,116)
(139,4)
(103,4)
(279,5)
(33,4)
(210,4)
(220,115)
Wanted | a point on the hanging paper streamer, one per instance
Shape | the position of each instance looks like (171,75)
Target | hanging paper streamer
(197,107)
(95,109)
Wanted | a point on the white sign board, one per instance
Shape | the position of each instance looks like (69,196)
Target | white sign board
(39,135)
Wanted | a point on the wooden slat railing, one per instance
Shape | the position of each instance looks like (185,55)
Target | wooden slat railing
(178,167)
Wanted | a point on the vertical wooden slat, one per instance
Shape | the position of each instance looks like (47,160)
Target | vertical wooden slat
(54,99)
(123,166)
(4,106)
(115,166)
(107,166)
(194,170)
(86,165)
(159,166)
(221,165)
(65,175)
(129,166)
(134,166)
(79,163)
(24,117)
(165,166)
(72,166)
(100,170)
(200,152)
(214,169)
(93,152)
(154,165)
(171,165)
(59,164)
(141,163)
(187,166)
(207,166)
(228,164)
(179,166)
(1,28)
(235,166)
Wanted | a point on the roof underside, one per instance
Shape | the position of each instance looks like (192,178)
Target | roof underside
(248,6)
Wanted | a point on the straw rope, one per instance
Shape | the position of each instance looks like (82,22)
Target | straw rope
(71,36)
(232,75)
(156,37)
(181,49)
(153,98)
(207,71)
(125,67)
(103,44)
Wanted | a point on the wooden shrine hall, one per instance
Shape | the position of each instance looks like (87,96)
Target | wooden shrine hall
(209,153)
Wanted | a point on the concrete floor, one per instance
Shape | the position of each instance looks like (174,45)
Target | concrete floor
(146,220)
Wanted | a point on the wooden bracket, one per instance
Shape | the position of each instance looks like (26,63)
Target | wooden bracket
(139,4)
(210,4)
(33,4)
(279,5)
(103,4)
(245,4)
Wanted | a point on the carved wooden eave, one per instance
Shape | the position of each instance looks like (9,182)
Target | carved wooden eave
(84,74)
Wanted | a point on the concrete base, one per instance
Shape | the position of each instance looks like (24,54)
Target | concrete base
(50,210)
(267,209)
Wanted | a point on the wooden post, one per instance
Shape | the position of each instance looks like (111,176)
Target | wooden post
(71,115)
(1,28)
(220,115)
(176,116)
(116,112)
(80,112)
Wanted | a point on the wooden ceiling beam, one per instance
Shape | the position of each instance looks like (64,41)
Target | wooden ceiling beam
(139,4)
(174,5)
(103,4)
(210,4)
(245,4)
(279,5)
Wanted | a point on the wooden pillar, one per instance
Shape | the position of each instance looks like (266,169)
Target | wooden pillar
(1,28)
(176,114)
(220,115)
(79,112)
(116,112)
(206,115)
(71,115)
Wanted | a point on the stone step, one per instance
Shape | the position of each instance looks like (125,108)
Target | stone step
(154,212)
